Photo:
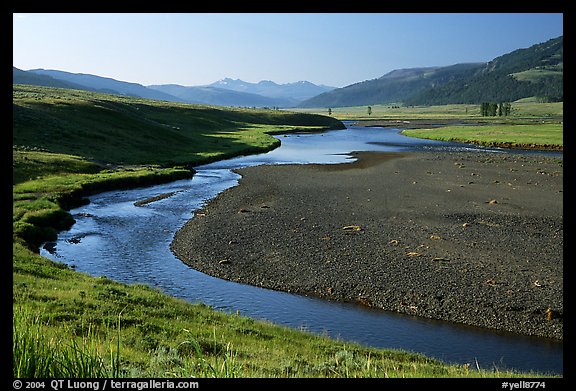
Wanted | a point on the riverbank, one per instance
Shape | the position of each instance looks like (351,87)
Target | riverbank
(469,238)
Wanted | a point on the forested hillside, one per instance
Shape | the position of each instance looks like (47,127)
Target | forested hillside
(395,86)
(536,71)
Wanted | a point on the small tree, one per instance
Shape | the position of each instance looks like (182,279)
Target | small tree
(492,109)
(329,111)
(369,110)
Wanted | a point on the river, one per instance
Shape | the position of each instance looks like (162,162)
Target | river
(114,238)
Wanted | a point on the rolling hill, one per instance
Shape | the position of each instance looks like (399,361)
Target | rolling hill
(536,71)
(23,77)
(120,129)
(105,85)
(392,87)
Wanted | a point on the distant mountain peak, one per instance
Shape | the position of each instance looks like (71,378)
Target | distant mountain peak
(225,81)
(295,92)
(267,83)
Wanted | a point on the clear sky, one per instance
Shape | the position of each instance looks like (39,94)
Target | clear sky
(335,49)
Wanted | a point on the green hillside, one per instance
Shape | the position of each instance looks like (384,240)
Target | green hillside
(536,71)
(395,86)
(70,143)
(126,130)
(22,77)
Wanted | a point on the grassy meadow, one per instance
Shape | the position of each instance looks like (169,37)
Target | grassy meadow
(68,144)
(548,136)
(531,124)
(524,109)
(126,130)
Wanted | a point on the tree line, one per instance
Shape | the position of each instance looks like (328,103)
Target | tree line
(492,109)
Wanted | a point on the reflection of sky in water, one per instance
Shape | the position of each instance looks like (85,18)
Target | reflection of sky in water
(334,147)
(129,243)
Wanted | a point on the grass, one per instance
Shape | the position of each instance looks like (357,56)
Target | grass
(126,130)
(37,355)
(28,164)
(530,125)
(67,323)
(537,75)
(397,111)
(68,144)
(543,136)
(38,205)
(521,110)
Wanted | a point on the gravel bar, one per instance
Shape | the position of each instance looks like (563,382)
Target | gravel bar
(472,238)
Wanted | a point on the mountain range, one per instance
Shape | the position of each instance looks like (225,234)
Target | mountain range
(229,92)
(298,91)
(536,71)
(226,92)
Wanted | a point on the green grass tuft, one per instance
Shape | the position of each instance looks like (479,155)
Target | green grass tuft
(543,136)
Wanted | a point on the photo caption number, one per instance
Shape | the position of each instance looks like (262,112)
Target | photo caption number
(34,384)
(523,384)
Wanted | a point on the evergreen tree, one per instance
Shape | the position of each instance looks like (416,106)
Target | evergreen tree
(483,109)
(492,107)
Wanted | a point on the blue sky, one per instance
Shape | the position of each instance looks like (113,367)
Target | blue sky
(335,49)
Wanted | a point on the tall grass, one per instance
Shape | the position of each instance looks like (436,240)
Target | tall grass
(227,367)
(37,355)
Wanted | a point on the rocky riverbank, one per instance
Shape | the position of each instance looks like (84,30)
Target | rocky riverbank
(473,238)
